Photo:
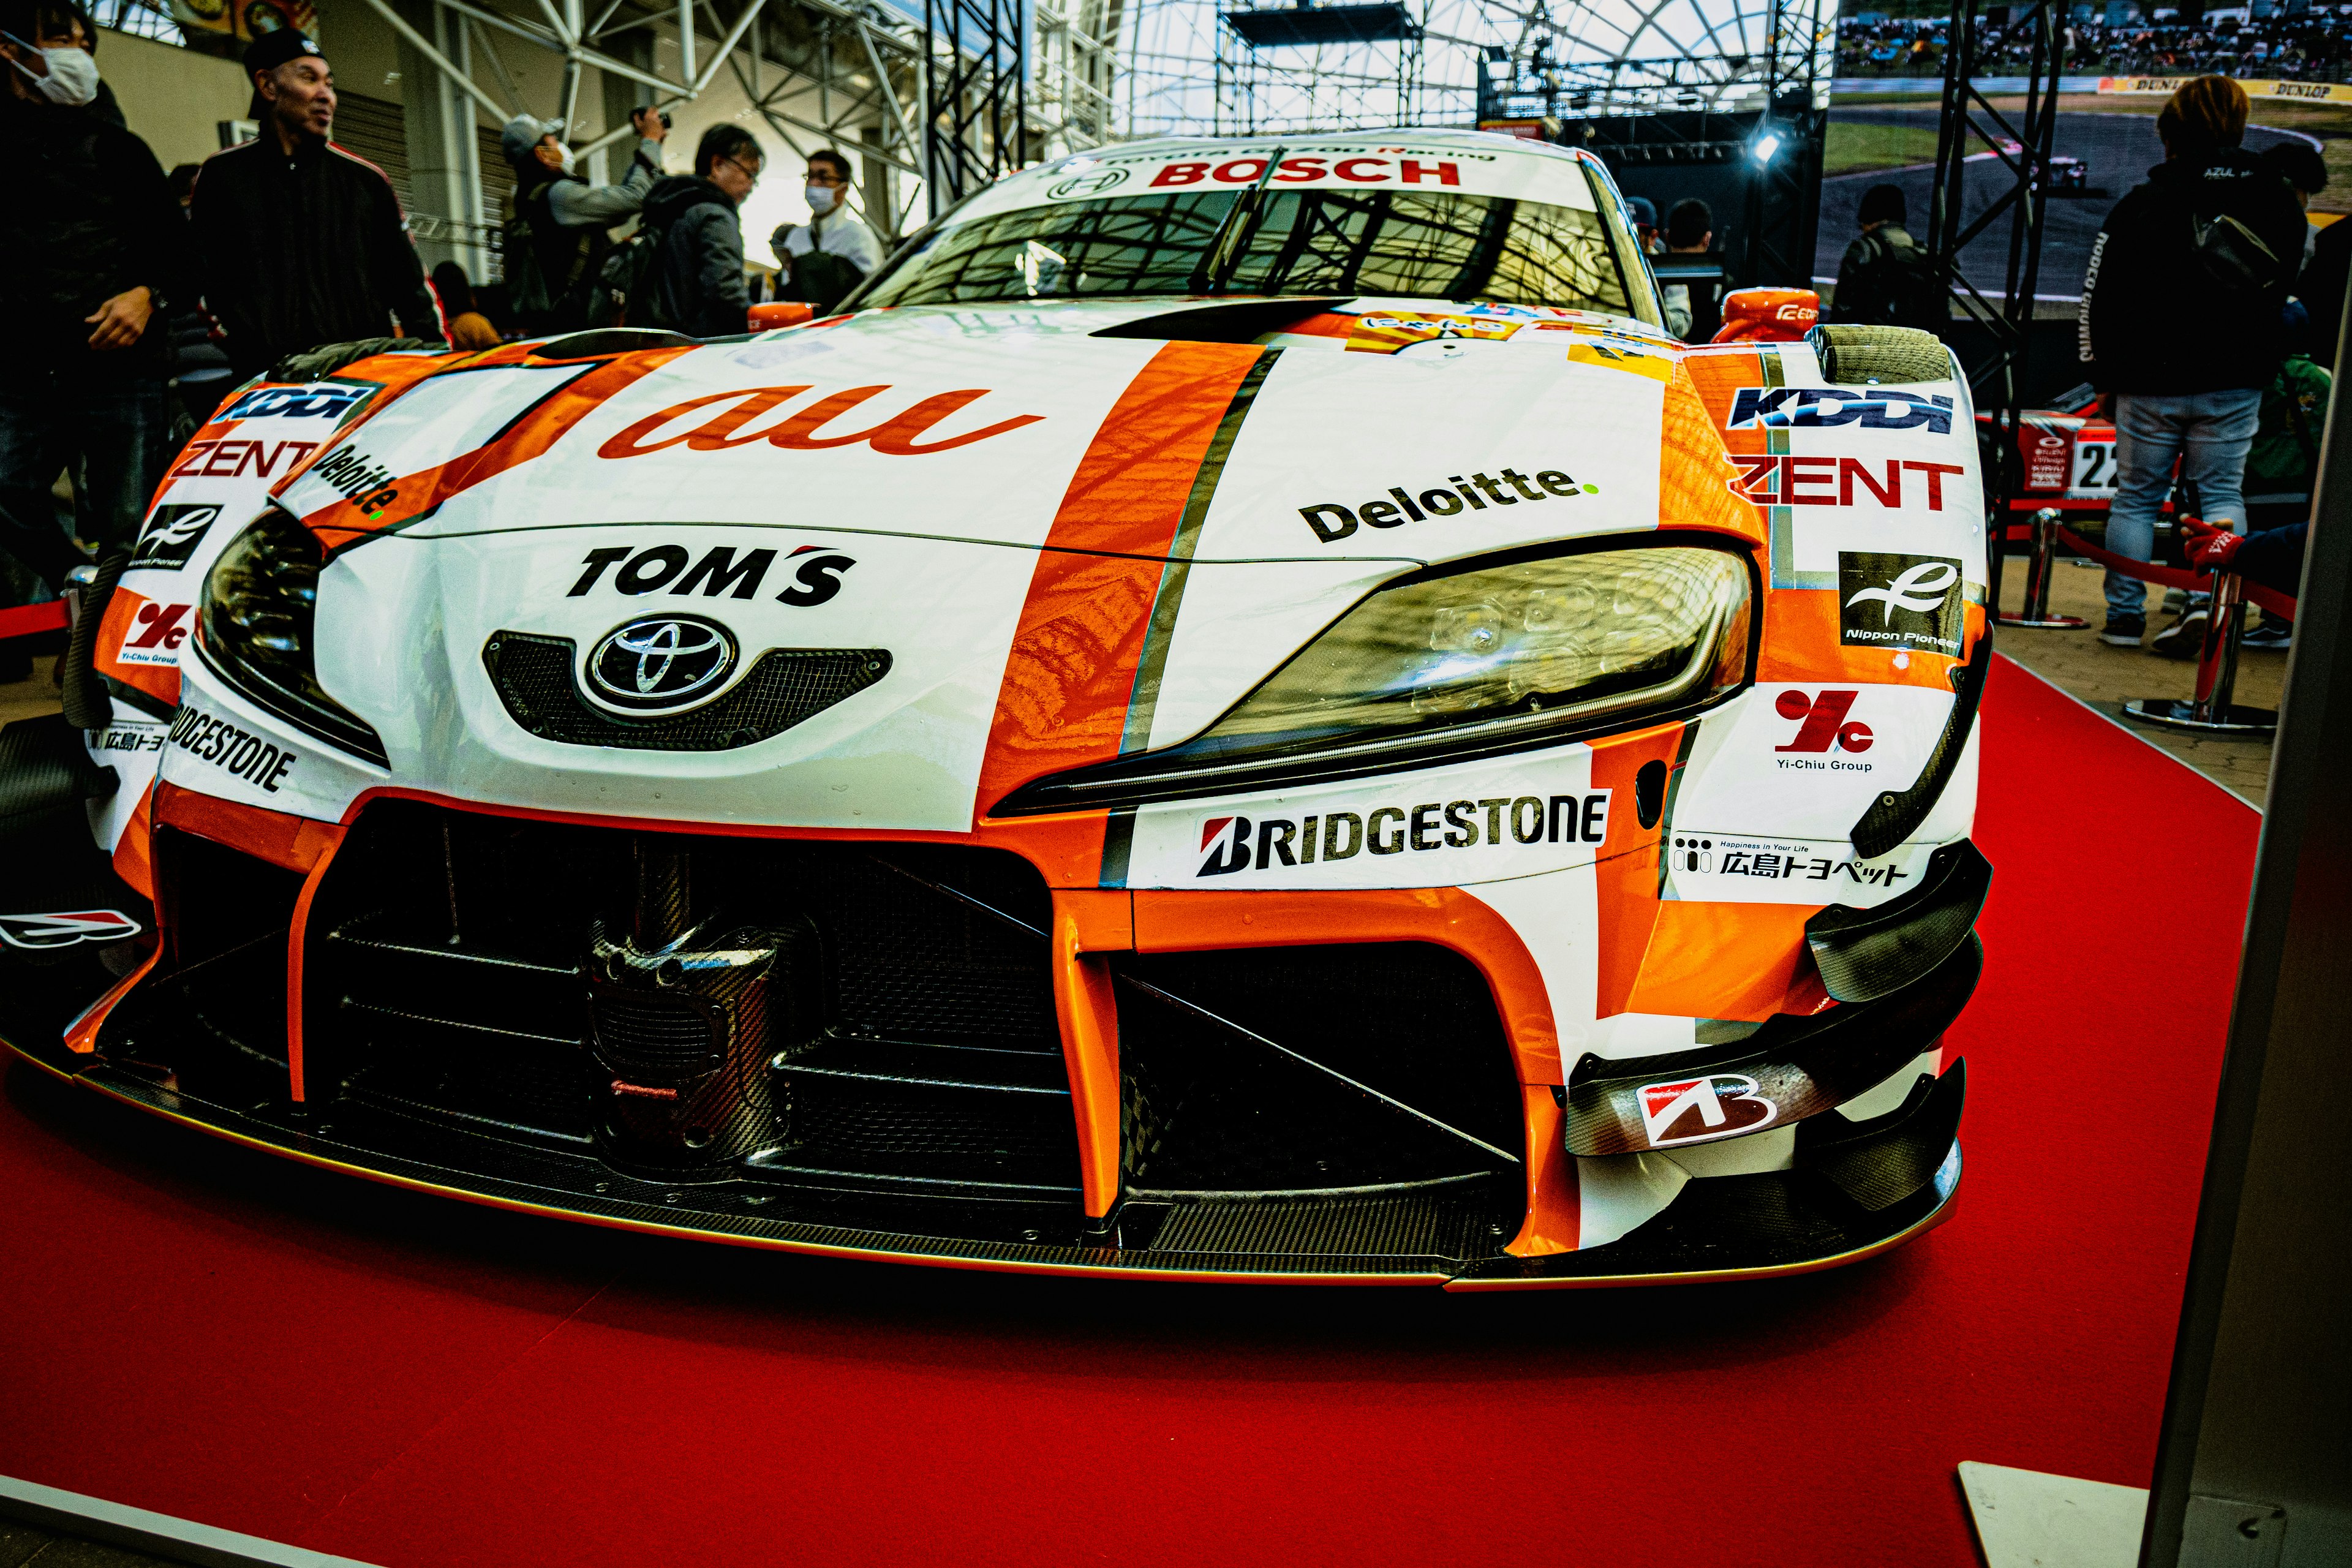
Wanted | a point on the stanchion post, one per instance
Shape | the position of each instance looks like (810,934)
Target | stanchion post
(2217,666)
(2212,710)
(2034,614)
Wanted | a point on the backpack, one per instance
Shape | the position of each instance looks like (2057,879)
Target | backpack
(532,293)
(624,286)
(1915,297)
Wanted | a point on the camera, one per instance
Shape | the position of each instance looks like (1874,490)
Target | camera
(664,114)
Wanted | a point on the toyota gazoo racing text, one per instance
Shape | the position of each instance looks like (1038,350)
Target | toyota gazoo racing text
(1243,712)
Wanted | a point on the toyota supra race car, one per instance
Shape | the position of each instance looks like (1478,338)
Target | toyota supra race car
(1242,712)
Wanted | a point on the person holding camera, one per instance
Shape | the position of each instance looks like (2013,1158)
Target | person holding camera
(558,222)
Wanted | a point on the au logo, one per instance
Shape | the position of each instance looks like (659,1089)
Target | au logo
(807,430)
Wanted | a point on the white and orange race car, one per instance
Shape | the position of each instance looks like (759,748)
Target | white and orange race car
(1242,712)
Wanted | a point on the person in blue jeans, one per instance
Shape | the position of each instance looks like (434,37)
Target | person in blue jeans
(2180,326)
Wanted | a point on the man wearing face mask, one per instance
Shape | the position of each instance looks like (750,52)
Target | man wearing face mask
(831,253)
(298,242)
(563,218)
(85,275)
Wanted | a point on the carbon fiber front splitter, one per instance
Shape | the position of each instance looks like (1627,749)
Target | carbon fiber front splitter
(1781,1222)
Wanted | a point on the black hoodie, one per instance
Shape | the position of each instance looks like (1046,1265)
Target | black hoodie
(2152,321)
(698,286)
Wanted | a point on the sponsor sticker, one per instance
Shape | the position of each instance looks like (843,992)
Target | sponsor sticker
(1824,727)
(1826,407)
(364,482)
(170,536)
(236,460)
(1899,600)
(631,570)
(234,750)
(67,927)
(1702,1109)
(810,428)
(129,738)
(323,402)
(156,634)
(1079,186)
(1230,843)
(1780,862)
(1333,520)
(1784,479)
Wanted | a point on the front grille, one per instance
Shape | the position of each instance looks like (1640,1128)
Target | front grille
(909,1025)
(653,1033)
(534,679)
(1208,1106)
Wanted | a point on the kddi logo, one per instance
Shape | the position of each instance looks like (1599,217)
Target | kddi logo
(1813,407)
(1230,843)
(1899,600)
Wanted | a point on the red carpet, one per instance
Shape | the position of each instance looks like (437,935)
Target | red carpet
(193,1329)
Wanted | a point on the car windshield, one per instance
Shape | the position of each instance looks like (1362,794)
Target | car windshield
(1414,243)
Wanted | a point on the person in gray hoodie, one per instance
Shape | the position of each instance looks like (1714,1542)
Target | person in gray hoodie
(566,217)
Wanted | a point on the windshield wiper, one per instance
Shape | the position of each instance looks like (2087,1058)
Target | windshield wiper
(1217,258)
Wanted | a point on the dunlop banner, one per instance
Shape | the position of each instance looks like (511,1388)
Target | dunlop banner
(2319,91)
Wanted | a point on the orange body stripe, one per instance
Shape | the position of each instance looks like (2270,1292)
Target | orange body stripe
(161,682)
(1694,477)
(296,843)
(1801,643)
(1727,961)
(1071,670)
(1718,379)
(343,523)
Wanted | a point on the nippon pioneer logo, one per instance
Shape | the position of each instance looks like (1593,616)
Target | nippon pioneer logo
(1820,407)
(1230,843)
(171,536)
(1899,600)
(66,928)
(1702,1109)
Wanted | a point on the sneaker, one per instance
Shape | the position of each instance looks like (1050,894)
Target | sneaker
(2184,638)
(2124,631)
(2272,635)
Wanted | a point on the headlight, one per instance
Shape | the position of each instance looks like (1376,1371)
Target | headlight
(1496,659)
(256,631)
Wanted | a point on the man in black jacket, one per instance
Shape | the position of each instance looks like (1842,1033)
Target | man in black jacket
(553,288)
(88,266)
(298,242)
(2181,325)
(698,285)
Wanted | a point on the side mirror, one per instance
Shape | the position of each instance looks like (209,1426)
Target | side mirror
(774,313)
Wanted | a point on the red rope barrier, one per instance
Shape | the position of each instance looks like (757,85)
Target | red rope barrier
(2277,603)
(25,620)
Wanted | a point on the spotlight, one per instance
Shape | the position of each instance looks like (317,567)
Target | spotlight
(1766,145)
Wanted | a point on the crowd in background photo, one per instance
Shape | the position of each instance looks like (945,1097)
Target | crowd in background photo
(2315,46)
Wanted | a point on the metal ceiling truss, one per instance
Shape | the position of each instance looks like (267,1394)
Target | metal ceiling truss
(940,100)
(1186,70)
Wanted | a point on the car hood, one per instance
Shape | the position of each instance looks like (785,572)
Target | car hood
(1057,426)
(1070,543)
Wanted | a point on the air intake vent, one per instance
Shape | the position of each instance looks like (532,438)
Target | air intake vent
(651,1034)
(534,679)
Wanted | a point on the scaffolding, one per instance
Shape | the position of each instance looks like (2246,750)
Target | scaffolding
(1197,66)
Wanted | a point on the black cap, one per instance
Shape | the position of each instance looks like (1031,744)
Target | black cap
(274,49)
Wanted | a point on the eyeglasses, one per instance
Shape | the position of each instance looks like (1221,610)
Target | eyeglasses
(750,172)
(816,179)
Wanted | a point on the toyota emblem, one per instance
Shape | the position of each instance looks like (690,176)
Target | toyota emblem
(659,663)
